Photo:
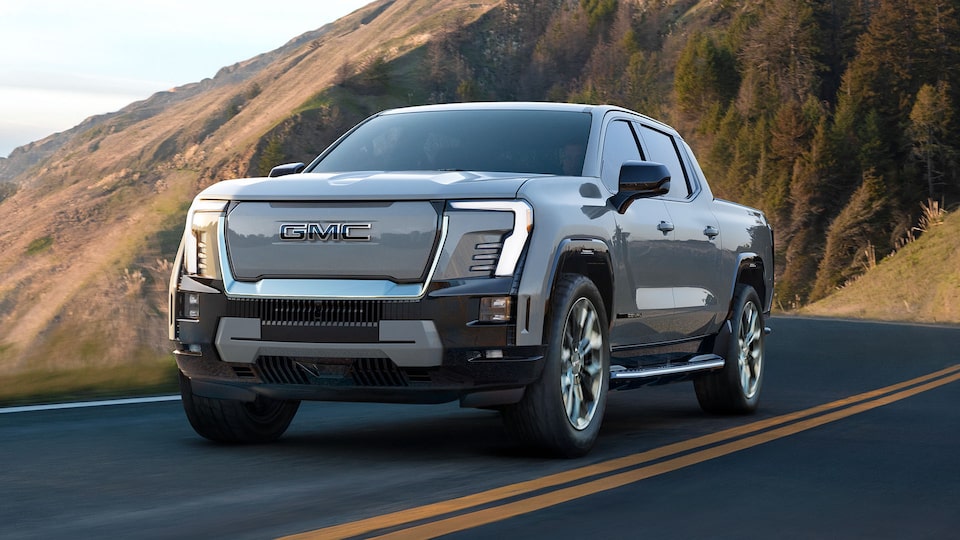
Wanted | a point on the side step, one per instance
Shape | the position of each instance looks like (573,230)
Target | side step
(701,362)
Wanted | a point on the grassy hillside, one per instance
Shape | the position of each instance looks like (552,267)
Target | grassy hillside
(87,238)
(920,282)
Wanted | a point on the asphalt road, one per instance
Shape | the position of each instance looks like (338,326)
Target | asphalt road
(835,451)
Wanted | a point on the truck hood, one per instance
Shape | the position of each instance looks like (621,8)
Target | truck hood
(371,185)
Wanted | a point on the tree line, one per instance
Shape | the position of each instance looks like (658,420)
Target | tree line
(836,117)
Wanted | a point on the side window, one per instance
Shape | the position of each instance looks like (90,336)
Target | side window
(698,178)
(663,149)
(619,145)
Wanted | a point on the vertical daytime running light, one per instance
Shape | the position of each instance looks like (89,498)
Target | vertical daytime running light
(200,253)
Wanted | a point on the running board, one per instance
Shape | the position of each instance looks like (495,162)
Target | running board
(702,362)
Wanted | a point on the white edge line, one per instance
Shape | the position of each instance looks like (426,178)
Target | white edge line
(85,404)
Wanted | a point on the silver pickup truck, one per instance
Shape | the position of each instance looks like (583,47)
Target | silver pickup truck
(528,257)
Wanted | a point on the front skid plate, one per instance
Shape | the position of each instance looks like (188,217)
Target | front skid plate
(482,398)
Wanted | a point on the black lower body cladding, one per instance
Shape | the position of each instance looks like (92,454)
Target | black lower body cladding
(431,350)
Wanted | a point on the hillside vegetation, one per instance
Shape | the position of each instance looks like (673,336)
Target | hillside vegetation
(919,283)
(836,118)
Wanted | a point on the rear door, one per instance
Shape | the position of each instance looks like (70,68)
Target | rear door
(695,256)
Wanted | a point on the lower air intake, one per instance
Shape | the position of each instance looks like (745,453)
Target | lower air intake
(369,372)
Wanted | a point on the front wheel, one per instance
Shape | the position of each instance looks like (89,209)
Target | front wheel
(561,412)
(231,421)
(736,387)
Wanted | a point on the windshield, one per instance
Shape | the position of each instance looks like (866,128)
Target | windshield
(521,141)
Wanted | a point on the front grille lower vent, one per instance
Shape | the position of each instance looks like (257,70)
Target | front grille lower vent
(279,311)
(377,372)
(371,372)
(281,370)
(244,372)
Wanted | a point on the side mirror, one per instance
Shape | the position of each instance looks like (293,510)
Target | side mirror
(287,168)
(639,180)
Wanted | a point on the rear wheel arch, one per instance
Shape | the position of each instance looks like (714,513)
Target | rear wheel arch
(751,271)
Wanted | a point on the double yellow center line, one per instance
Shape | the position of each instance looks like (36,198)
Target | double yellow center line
(486,507)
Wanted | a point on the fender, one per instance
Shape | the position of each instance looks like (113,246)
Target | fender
(750,261)
(588,248)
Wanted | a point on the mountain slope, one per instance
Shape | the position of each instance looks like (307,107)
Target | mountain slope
(85,242)
(921,282)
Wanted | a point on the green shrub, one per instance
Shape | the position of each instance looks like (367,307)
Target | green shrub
(40,244)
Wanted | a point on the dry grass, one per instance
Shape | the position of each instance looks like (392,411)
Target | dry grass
(60,385)
(919,283)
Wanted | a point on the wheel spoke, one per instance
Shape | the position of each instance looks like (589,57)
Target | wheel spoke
(751,324)
(582,314)
(592,368)
(566,352)
(596,340)
(576,403)
(586,388)
(587,328)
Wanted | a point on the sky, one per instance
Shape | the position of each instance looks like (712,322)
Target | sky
(62,61)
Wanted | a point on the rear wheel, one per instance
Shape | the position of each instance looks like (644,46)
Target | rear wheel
(736,387)
(561,412)
(231,421)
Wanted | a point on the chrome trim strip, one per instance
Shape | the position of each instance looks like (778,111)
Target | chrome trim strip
(319,289)
(698,363)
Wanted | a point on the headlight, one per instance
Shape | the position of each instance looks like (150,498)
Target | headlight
(201,252)
(501,257)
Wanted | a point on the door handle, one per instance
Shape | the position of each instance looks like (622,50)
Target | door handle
(665,227)
(711,232)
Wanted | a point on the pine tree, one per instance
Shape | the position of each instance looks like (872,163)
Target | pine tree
(706,74)
(852,234)
(272,155)
(803,239)
(782,52)
(930,121)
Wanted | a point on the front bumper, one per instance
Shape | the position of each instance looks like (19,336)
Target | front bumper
(431,350)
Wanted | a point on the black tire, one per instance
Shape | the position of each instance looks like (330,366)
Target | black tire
(736,387)
(230,421)
(562,411)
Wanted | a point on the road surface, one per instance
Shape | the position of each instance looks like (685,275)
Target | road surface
(858,435)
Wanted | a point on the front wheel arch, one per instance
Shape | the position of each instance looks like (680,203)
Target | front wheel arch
(589,258)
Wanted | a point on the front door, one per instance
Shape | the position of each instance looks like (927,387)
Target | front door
(643,305)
